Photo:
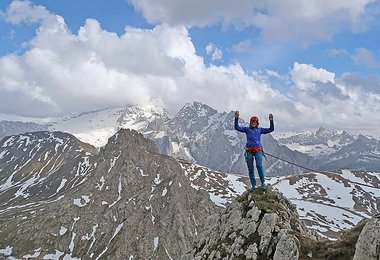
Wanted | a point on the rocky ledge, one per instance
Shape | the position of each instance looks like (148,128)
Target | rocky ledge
(265,225)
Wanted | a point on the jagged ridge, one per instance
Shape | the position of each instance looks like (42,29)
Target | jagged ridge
(265,225)
(134,203)
(258,225)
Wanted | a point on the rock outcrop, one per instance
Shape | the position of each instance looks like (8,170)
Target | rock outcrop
(368,245)
(260,225)
(265,225)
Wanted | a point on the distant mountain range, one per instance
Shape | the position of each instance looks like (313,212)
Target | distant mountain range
(201,134)
(335,149)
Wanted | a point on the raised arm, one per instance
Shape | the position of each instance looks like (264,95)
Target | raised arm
(271,126)
(237,127)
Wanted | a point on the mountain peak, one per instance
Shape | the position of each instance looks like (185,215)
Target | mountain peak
(197,109)
(265,225)
(130,140)
(257,225)
(11,128)
(322,130)
(362,138)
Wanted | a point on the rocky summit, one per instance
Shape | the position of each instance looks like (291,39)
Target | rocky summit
(265,225)
(259,225)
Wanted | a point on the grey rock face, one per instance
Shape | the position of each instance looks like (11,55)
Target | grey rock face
(265,230)
(133,202)
(368,245)
(287,247)
(245,231)
(251,252)
(41,165)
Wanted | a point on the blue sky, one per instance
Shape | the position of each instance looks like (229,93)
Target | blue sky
(113,16)
(278,56)
(272,53)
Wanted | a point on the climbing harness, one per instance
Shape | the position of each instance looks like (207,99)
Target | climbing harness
(253,149)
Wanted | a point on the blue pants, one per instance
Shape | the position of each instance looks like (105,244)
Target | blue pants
(259,165)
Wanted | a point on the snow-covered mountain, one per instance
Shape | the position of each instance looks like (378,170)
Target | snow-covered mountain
(14,127)
(39,166)
(61,199)
(97,126)
(363,152)
(321,143)
(197,133)
(205,136)
(327,203)
(335,149)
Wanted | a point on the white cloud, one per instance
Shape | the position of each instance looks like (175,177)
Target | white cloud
(64,72)
(243,46)
(215,52)
(25,12)
(305,76)
(347,103)
(363,56)
(303,21)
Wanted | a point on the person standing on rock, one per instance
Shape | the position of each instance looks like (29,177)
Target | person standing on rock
(253,147)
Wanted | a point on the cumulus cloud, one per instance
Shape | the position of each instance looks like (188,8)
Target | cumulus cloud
(305,76)
(350,102)
(363,56)
(303,21)
(64,72)
(215,52)
(25,12)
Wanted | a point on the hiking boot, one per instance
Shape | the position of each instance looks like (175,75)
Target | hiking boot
(264,186)
(252,189)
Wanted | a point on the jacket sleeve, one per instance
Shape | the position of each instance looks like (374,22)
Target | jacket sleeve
(237,127)
(268,130)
